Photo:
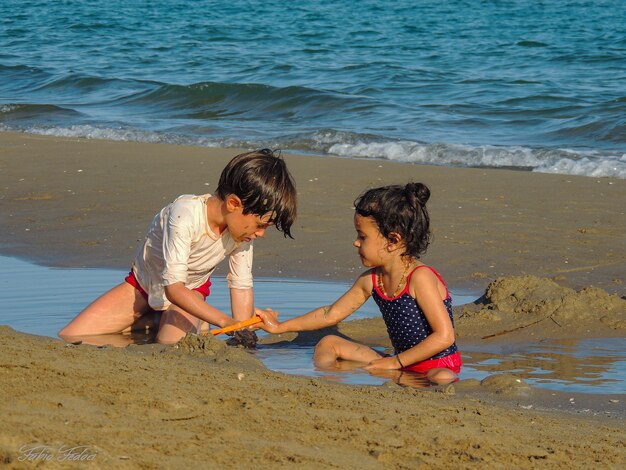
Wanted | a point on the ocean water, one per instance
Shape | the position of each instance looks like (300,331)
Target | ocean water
(528,84)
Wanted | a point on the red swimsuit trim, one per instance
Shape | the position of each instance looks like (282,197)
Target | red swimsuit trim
(408,282)
(451,361)
(204,289)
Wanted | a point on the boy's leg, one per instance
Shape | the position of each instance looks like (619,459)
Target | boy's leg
(148,321)
(112,312)
(331,348)
(176,323)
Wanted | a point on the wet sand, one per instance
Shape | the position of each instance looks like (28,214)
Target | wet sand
(203,405)
(70,202)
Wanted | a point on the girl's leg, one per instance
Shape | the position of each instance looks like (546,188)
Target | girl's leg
(441,376)
(331,348)
(112,312)
(176,323)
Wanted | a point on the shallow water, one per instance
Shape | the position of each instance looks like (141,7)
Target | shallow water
(41,300)
(593,365)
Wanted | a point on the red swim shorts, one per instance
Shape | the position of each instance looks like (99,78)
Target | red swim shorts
(451,361)
(204,289)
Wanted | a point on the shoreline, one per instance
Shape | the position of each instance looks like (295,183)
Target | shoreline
(87,203)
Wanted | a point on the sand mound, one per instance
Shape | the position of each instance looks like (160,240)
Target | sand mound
(506,384)
(217,351)
(515,303)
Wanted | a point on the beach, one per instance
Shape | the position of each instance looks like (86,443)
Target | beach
(548,251)
(486,223)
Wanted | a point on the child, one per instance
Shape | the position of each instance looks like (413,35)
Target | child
(185,242)
(392,226)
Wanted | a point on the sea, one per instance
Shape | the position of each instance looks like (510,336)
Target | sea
(524,84)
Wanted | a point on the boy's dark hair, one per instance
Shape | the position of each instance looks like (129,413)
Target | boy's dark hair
(263,183)
(399,209)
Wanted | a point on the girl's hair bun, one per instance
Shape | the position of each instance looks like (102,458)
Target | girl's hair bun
(417,192)
(400,210)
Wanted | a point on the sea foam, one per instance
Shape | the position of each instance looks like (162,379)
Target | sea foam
(351,145)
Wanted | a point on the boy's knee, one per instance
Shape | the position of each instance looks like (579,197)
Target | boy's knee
(69,333)
(177,319)
(63,334)
(174,325)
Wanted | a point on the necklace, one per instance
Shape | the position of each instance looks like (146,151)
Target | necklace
(399,287)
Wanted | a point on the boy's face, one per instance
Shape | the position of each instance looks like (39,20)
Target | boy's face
(245,227)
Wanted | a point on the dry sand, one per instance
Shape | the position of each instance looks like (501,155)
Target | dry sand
(70,202)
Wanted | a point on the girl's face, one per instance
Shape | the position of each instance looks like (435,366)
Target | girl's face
(371,244)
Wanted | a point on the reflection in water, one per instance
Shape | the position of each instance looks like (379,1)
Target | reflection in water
(588,365)
(406,379)
(119,340)
(298,360)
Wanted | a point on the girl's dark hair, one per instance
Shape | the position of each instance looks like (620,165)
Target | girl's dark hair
(399,209)
(262,182)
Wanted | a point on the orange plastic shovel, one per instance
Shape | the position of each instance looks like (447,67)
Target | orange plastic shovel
(238,326)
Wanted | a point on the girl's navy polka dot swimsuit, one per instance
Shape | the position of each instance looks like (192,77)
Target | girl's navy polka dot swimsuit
(405,320)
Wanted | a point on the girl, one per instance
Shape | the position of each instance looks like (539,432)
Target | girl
(392,226)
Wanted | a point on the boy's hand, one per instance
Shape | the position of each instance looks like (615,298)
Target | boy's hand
(386,363)
(246,338)
(270,320)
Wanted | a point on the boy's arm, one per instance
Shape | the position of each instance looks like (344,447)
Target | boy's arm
(193,304)
(242,303)
(323,316)
(239,281)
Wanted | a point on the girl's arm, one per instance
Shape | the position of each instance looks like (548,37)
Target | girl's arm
(323,316)
(425,289)
(193,304)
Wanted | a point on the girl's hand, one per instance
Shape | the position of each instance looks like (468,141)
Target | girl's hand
(384,363)
(270,320)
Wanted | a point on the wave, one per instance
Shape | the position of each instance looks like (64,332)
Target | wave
(562,161)
(360,122)
(19,111)
(202,100)
(208,100)
(336,143)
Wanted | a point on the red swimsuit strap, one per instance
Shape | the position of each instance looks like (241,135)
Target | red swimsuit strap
(434,271)
(408,282)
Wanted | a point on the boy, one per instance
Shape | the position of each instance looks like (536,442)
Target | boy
(185,242)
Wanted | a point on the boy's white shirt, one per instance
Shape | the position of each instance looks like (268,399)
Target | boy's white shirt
(181,247)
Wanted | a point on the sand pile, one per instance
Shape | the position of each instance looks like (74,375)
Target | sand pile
(512,304)
(214,350)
